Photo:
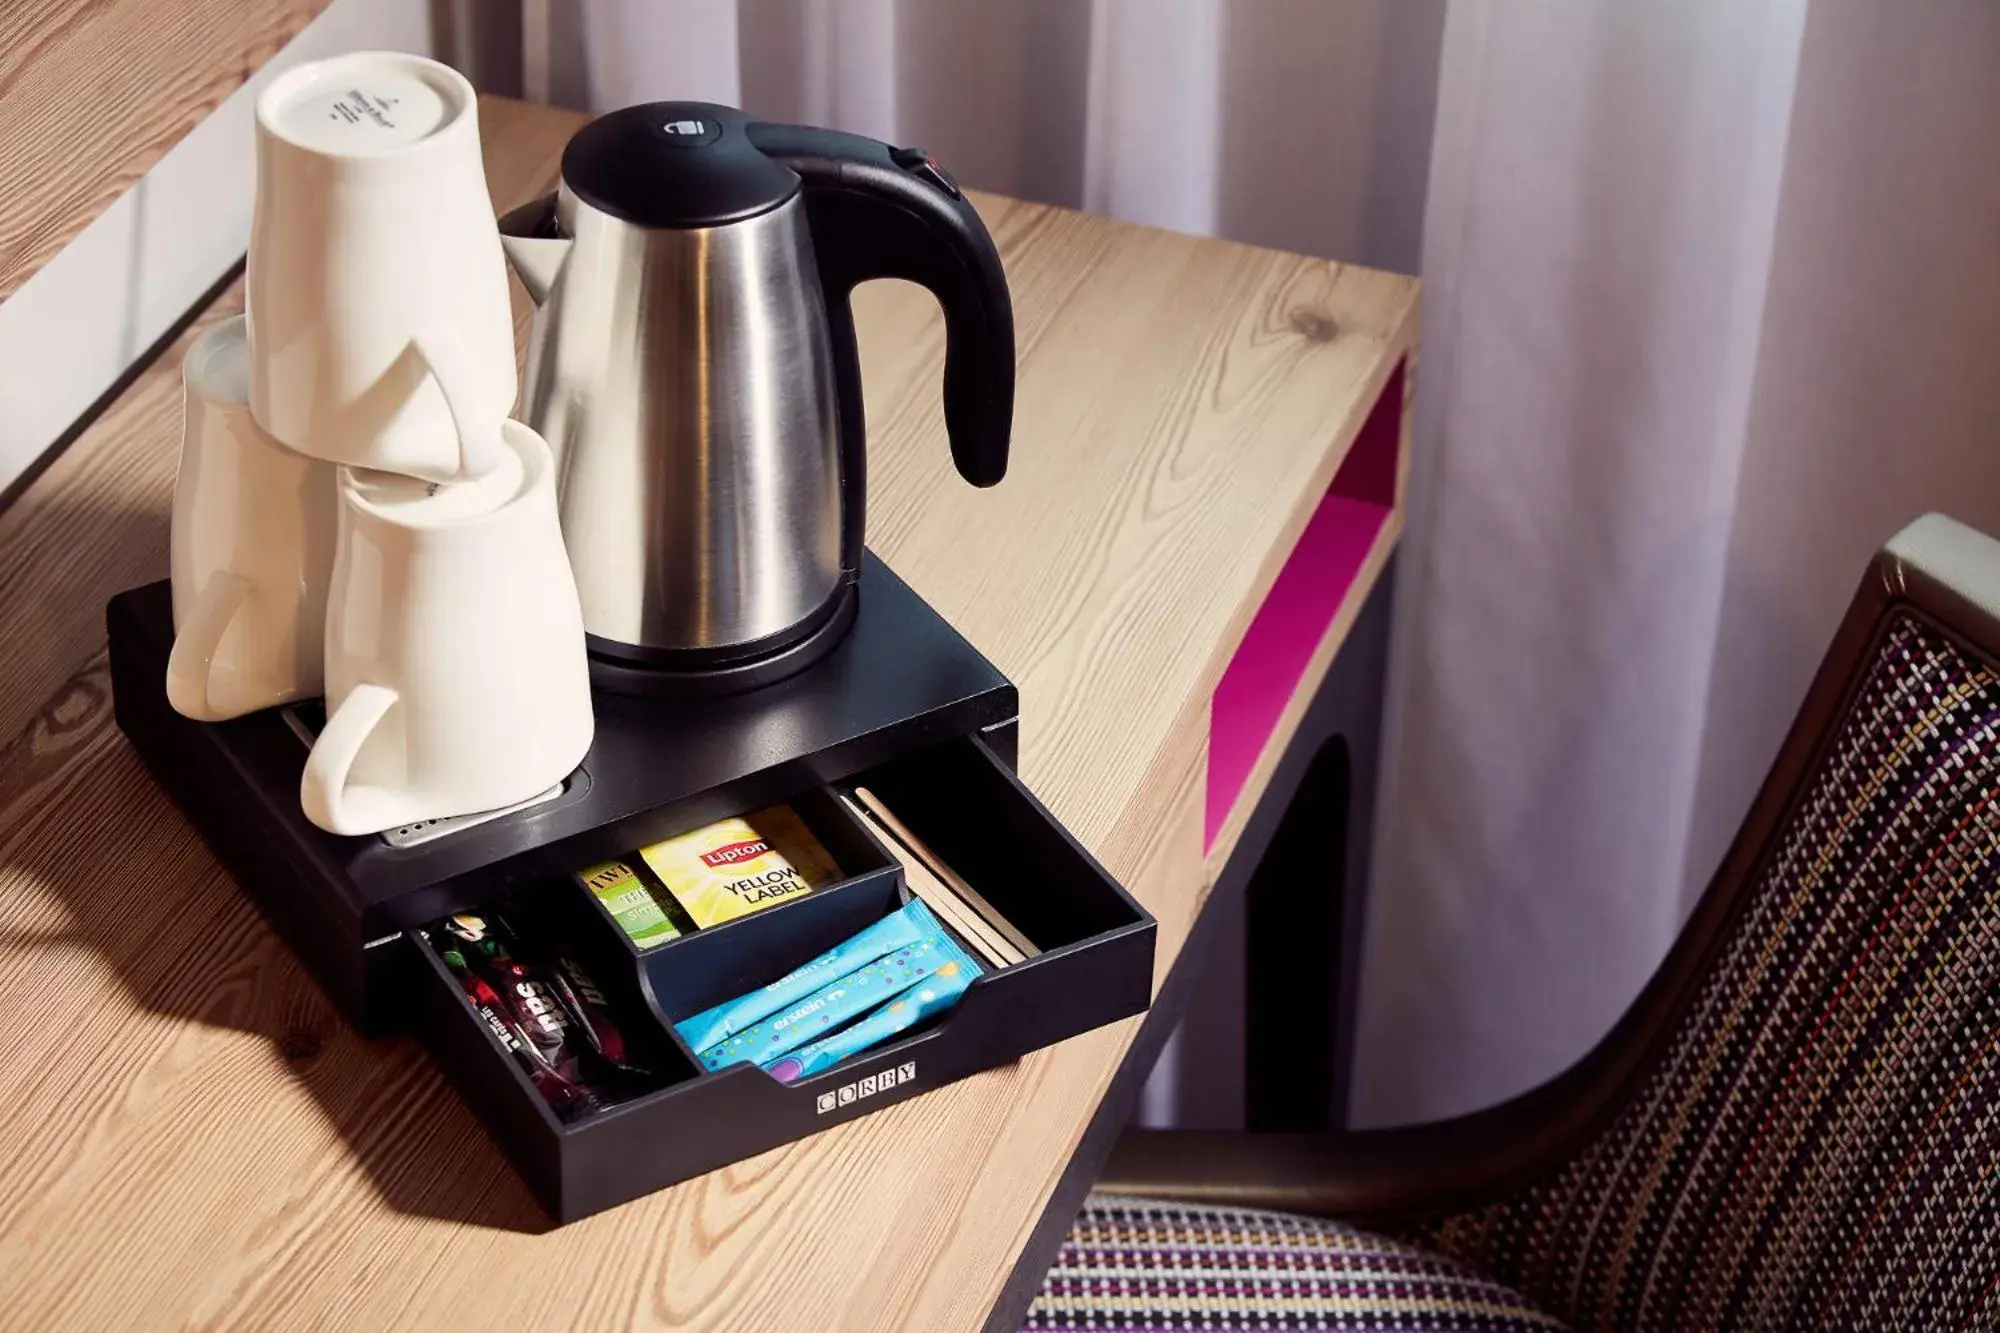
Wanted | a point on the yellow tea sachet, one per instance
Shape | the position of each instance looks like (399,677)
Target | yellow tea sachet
(737,866)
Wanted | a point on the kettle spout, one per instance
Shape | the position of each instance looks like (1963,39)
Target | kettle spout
(534,246)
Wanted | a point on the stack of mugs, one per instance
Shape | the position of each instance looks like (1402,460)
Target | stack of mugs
(355,516)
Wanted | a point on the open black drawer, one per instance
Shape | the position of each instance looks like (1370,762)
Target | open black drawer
(1095,966)
(904,706)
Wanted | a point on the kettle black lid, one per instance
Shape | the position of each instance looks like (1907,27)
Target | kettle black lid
(674,164)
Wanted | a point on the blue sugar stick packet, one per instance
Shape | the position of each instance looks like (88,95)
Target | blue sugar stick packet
(937,992)
(836,1002)
(897,930)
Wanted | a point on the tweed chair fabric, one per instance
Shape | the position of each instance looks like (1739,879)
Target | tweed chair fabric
(1820,1146)
(1133,1264)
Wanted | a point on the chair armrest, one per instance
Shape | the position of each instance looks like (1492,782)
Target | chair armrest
(1367,1174)
(1315,1174)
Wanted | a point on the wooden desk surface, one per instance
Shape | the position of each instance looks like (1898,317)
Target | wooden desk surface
(94,92)
(195,1137)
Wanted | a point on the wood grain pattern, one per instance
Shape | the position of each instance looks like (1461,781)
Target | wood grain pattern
(94,92)
(196,1138)
(96,520)
(1184,403)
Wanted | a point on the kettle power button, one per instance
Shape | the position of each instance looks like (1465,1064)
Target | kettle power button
(926,168)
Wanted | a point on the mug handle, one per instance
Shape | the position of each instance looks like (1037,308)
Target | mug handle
(443,355)
(192,660)
(323,791)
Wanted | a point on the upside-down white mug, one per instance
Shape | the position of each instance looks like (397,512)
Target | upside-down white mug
(376,289)
(251,550)
(456,676)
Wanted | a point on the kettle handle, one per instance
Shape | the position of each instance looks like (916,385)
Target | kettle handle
(880,212)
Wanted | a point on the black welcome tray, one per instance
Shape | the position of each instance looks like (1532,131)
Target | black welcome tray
(904,705)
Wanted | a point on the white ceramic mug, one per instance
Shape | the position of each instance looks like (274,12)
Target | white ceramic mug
(252,548)
(377,292)
(456,676)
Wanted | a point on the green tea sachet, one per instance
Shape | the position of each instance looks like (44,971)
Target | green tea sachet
(631,903)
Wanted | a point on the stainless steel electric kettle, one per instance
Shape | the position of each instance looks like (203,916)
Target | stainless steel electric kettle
(693,367)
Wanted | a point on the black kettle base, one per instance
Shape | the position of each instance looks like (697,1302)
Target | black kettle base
(699,678)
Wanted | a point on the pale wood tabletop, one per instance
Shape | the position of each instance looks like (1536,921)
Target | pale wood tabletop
(93,92)
(195,1137)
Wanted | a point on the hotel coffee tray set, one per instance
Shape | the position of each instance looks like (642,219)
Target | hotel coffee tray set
(594,746)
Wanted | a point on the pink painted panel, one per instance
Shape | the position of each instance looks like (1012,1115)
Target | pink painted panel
(1309,590)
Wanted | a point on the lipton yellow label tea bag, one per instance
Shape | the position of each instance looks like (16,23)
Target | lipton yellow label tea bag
(738,866)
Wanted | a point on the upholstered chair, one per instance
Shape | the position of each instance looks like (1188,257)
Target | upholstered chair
(1795,1126)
